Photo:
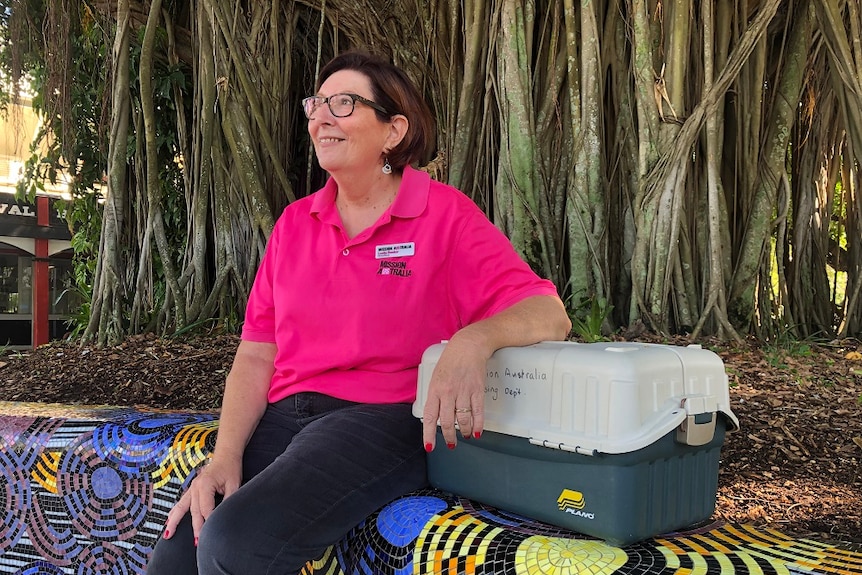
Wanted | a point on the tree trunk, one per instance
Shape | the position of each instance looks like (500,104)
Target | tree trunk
(754,251)
(585,206)
(517,191)
(105,324)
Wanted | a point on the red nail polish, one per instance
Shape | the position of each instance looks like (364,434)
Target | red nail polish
(477,434)
(450,445)
(167,534)
(196,541)
(428,447)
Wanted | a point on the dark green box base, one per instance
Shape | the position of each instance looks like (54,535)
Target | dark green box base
(621,498)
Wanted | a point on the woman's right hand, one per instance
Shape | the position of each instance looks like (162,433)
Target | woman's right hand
(245,400)
(216,478)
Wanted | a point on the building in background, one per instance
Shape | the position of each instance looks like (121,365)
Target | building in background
(35,249)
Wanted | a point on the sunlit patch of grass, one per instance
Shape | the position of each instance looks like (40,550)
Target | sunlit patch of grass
(837,284)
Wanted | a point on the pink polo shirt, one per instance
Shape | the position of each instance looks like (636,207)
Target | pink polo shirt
(352,317)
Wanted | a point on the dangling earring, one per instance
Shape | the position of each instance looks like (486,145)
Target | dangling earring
(387,169)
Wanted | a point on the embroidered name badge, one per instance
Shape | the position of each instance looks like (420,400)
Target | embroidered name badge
(395,250)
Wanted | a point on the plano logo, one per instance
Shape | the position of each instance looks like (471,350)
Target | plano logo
(572,502)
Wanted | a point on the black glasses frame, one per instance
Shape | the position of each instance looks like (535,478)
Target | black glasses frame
(311,103)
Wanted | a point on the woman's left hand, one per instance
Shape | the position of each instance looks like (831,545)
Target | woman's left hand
(456,393)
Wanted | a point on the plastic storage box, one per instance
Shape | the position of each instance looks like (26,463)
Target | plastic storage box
(620,441)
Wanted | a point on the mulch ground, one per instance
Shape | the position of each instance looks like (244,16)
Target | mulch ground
(793,465)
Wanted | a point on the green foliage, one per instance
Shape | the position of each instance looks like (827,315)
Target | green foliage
(777,351)
(85,217)
(206,324)
(732,377)
(77,322)
(75,144)
(588,316)
(19,49)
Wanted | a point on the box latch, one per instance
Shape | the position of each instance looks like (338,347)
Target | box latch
(563,446)
(698,427)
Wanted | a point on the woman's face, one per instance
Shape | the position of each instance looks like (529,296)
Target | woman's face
(352,143)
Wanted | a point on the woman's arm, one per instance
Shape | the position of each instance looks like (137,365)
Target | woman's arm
(458,381)
(245,399)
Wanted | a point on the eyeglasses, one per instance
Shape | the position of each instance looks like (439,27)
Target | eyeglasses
(341,105)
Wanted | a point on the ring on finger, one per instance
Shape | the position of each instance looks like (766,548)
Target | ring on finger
(463,410)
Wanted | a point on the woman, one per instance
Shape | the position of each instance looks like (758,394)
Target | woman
(316,430)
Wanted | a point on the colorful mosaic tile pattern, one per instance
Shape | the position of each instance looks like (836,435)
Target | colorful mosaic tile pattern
(86,490)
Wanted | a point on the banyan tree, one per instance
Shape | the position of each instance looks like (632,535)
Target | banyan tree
(692,166)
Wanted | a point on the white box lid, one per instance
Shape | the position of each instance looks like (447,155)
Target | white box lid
(614,397)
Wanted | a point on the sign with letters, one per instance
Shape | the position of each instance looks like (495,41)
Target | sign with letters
(19,219)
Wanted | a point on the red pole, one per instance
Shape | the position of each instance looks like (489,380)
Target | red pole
(41,303)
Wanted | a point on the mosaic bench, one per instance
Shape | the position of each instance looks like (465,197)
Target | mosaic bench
(86,490)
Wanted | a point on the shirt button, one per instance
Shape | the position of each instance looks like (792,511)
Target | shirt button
(345,252)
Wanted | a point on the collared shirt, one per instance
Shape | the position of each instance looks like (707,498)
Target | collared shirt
(351,317)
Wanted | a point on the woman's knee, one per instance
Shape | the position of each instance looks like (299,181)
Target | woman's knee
(175,556)
(219,544)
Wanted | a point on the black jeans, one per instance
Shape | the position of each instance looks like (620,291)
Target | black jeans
(314,468)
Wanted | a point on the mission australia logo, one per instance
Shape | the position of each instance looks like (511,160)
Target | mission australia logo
(397,269)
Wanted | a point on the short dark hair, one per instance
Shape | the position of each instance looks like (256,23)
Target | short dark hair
(392,89)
